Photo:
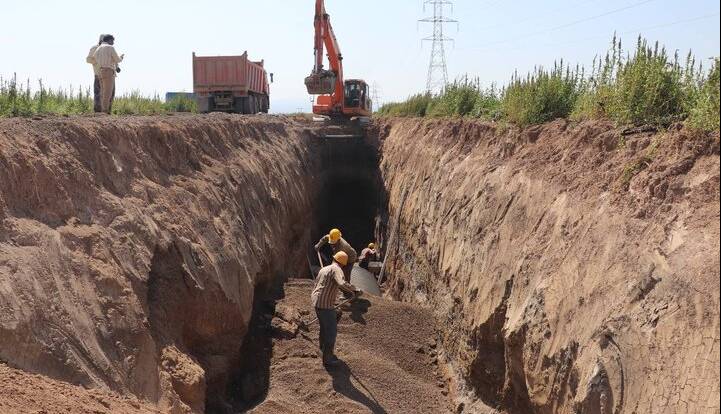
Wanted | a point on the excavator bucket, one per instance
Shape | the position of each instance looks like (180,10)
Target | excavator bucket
(321,83)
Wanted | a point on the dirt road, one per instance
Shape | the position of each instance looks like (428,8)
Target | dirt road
(389,362)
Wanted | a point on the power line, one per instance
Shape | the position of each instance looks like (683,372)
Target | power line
(626,32)
(566,25)
(437,69)
(516,22)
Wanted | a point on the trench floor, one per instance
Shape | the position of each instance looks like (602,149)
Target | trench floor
(388,359)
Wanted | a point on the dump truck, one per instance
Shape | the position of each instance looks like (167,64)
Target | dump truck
(230,84)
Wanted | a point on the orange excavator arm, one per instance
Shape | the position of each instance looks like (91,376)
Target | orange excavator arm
(321,81)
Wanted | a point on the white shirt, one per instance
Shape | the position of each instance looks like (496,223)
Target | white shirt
(106,56)
(91,59)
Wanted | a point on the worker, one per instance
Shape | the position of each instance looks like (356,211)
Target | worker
(369,254)
(330,279)
(338,244)
(107,59)
(96,70)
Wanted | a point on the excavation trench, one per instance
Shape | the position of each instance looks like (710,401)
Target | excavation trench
(347,194)
(147,256)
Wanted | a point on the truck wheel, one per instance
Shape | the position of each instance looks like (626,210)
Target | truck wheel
(204,105)
(253,105)
(239,105)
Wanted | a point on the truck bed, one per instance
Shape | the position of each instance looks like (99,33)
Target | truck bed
(234,74)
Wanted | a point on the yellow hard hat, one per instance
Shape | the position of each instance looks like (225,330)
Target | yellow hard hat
(341,258)
(372,246)
(334,236)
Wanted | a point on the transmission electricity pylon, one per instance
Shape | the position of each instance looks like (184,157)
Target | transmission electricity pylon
(375,96)
(437,69)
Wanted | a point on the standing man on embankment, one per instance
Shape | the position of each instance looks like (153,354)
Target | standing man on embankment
(107,59)
(96,70)
(338,244)
(330,279)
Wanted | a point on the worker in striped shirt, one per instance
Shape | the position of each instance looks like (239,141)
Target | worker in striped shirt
(330,279)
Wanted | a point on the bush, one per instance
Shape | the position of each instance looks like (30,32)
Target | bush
(541,96)
(19,100)
(705,112)
(648,87)
(488,105)
(181,104)
(461,98)
(458,99)
(415,106)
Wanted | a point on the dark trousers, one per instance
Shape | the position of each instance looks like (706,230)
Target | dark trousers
(328,329)
(97,97)
(347,270)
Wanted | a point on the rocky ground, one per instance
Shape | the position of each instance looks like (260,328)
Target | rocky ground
(389,355)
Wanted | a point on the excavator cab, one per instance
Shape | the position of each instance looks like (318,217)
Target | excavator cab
(356,94)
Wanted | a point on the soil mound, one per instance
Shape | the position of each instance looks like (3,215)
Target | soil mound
(388,353)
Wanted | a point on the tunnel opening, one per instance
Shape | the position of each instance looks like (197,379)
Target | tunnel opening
(350,193)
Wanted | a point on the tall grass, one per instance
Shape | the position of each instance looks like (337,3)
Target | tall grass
(414,106)
(464,97)
(542,95)
(21,99)
(704,114)
(647,86)
(18,99)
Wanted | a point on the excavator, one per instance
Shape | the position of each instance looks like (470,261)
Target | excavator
(337,98)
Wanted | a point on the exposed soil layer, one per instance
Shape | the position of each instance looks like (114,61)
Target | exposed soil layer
(21,392)
(131,249)
(388,352)
(571,268)
(574,268)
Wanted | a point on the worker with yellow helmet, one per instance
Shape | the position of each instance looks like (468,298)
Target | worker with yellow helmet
(338,244)
(330,279)
(369,254)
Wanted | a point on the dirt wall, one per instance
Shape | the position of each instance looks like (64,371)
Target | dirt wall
(575,267)
(131,248)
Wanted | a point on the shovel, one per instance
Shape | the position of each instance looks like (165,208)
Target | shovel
(304,326)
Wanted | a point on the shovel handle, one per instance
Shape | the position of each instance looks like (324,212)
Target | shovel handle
(320,259)
(338,306)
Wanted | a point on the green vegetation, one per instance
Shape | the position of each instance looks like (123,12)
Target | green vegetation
(19,99)
(541,96)
(646,87)
(704,114)
(415,106)
(649,87)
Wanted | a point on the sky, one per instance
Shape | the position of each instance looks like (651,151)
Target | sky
(380,39)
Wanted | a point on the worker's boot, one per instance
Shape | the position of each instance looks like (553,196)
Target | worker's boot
(329,359)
